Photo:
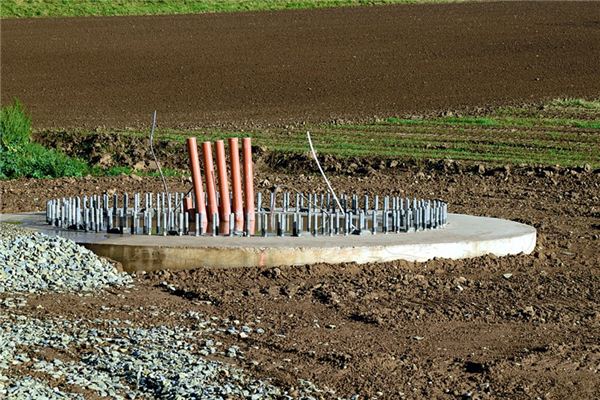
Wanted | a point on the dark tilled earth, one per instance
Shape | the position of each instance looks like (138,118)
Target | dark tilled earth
(288,67)
(526,326)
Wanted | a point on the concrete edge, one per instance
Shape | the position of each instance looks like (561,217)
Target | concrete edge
(465,237)
(148,258)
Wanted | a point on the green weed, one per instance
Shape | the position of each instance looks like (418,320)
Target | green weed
(576,103)
(116,171)
(19,157)
(15,127)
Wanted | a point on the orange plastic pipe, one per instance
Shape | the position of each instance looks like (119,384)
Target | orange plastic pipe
(224,206)
(248,183)
(236,184)
(209,170)
(197,180)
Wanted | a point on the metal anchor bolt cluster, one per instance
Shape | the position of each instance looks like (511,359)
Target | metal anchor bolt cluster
(285,214)
(238,213)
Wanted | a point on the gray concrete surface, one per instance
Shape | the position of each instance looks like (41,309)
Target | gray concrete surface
(465,236)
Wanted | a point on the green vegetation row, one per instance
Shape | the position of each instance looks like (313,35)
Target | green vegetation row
(570,137)
(81,8)
(20,157)
(498,122)
(562,132)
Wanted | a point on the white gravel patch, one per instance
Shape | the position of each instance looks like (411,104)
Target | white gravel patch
(34,262)
(110,358)
(117,360)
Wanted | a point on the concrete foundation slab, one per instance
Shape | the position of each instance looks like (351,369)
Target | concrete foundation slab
(464,236)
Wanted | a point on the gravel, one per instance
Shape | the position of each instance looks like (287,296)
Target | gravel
(122,361)
(61,358)
(31,388)
(33,262)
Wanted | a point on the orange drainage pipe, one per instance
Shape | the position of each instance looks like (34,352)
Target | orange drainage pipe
(197,181)
(224,206)
(236,184)
(210,183)
(248,184)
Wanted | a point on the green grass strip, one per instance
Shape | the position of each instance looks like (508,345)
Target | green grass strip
(82,8)
(499,122)
(486,148)
(562,139)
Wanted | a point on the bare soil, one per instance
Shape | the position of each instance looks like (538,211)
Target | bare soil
(526,326)
(269,68)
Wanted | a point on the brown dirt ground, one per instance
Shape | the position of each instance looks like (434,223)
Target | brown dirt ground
(438,329)
(288,67)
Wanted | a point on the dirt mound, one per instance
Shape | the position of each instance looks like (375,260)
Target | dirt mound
(108,149)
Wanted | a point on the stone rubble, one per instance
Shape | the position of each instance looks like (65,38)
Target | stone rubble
(124,362)
(59,358)
(34,262)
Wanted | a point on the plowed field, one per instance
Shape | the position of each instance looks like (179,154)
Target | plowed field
(526,326)
(288,67)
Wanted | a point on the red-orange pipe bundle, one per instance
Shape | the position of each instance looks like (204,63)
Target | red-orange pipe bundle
(236,184)
(197,180)
(224,206)
(210,182)
(248,183)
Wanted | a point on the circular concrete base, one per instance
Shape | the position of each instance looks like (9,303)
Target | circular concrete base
(465,236)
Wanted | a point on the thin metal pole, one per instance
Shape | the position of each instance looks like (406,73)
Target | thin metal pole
(314,153)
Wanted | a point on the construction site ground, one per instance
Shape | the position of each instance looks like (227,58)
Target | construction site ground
(521,326)
(525,326)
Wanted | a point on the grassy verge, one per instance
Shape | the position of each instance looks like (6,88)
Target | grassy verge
(498,122)
(562,134)
(565,133)
(45,8)
(19,157)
